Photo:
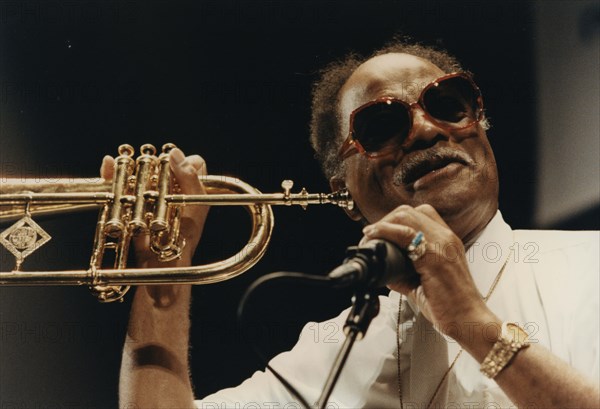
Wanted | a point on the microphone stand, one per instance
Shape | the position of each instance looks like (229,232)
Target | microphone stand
(367,267)
(365,307)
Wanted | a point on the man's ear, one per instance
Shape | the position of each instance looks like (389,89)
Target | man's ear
(336,183)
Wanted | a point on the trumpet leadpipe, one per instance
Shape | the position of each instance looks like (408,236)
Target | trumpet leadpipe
(102,195)
(139,198)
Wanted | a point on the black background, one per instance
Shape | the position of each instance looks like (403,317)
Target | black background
(229,80)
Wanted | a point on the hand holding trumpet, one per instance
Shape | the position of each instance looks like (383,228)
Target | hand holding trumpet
(186,172)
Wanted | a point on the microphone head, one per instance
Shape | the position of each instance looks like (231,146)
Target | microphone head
(373,264)
(396,267)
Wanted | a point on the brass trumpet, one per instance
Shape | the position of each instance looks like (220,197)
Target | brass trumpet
(142,198)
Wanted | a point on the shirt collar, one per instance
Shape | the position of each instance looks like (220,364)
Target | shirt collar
(486,255)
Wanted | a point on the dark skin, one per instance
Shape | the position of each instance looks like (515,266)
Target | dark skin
(450,205)
(450,208)
(466,195)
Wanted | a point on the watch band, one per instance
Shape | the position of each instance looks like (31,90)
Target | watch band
(512,339)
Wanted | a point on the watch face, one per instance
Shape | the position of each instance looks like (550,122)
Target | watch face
(516,333)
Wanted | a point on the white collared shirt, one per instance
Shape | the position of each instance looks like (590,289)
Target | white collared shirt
(550,287)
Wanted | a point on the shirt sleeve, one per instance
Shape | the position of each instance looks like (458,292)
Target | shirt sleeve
(304,367)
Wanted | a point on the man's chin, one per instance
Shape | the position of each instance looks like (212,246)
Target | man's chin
(447,200)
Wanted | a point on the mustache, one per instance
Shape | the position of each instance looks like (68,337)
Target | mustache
(421,162)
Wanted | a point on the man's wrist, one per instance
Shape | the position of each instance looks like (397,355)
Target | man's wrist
(478,334)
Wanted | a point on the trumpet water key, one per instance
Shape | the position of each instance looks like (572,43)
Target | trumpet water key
(142,198)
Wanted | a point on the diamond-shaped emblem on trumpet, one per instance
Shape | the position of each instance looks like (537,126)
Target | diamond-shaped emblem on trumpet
(23,238)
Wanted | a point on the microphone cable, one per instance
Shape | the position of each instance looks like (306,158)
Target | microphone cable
(307,279)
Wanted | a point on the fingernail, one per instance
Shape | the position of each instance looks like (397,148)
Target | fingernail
(368,230)
(176,156)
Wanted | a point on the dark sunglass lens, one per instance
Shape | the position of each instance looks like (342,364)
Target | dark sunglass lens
(377,126)
(453,100)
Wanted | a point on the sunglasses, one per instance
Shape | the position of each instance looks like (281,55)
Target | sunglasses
(452,102)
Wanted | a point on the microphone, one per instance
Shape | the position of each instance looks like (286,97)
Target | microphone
(373,264)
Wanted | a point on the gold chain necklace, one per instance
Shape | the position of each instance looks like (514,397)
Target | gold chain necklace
(398,343)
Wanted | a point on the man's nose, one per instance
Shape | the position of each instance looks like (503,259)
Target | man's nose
(424,131)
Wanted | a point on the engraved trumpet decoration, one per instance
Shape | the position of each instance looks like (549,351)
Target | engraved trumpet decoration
(142,198)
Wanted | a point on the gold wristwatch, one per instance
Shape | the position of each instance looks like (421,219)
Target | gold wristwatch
(512,339)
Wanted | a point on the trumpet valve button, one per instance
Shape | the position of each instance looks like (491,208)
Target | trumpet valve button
(126,150)
(148,149)
(168,147)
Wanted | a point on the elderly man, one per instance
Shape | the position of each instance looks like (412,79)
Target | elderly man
(501,318)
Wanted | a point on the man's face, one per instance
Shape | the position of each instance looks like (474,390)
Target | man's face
(452,170)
